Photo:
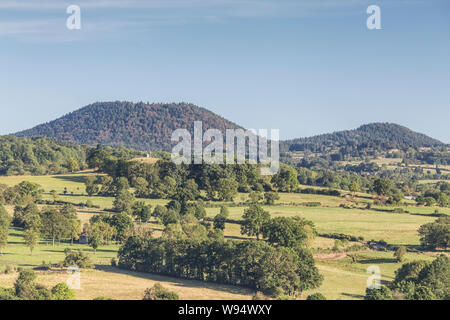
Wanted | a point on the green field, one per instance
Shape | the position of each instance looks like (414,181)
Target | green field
(343,279)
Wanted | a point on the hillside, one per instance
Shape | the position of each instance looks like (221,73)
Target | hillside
(137,125)
(374,137)
(40,155)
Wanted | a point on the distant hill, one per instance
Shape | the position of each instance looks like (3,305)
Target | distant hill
(149,127)
(136,125)
(374,136)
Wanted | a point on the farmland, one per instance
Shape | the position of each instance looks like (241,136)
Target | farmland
(344,278)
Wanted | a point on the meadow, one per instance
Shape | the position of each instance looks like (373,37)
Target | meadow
(344,278)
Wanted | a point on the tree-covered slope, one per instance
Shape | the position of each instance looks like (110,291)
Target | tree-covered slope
(374,136)
(137,125)
(40,155)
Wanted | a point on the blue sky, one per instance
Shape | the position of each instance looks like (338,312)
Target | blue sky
(303,66)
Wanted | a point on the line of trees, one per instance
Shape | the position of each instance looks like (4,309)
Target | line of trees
(272,270)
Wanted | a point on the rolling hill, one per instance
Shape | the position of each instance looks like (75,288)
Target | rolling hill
(136,125)
(149,127)
(373,136)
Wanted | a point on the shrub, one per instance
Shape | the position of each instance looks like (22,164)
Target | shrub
(383,293)
(316,296)
(158,292)
(62,292)
(114,262)
(76,258)
(400,253)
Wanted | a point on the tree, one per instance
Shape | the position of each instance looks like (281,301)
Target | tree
(423,293)
(254,219)
(400,253)
(354,187)
(383,293)
(436,276)
(227,189)
(91,187)
(443,200)
(25,284)
(382,186)
(287,232)
(100,233)
(31,237)
(141,211)
(188,191)
(158,292)
(53,224)
(72,224)
(316,296)
(26,288)
(169,217)
(73,165)
(62,292)
(159,211)
(286,179)
(255,196)
(221,218)
(4,227)
(196,209)
(123,201)
(76,258)
(271,197)
(123,225)
(408,272)
(436,234)
(140,187)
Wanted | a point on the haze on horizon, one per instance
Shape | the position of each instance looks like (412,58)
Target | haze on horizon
(304,66)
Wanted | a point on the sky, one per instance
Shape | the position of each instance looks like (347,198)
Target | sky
(304,67)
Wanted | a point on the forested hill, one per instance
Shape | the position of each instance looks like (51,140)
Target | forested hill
(374,136)
(136,125)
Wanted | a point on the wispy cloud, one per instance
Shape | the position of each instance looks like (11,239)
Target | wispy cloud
(46,18)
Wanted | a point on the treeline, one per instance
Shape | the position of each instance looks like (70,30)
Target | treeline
(26,288)
(274,271)
(417,280)
(39,156)
(214,182)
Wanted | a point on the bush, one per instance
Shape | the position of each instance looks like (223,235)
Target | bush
(62,292)
(9,269)
(158,292)
(316,296)
(76,258)
(312,204)
(114,262)
(383,293)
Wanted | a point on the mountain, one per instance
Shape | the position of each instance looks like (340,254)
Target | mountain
(141,126)
(373,136)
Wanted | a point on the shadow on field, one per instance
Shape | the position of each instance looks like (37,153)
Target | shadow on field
(176,281)
(80,179)
(15,235)
(378,261)
(352,295)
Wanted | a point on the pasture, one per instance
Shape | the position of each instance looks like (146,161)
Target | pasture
(343,277)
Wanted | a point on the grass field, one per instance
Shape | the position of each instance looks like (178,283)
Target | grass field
(343,279)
